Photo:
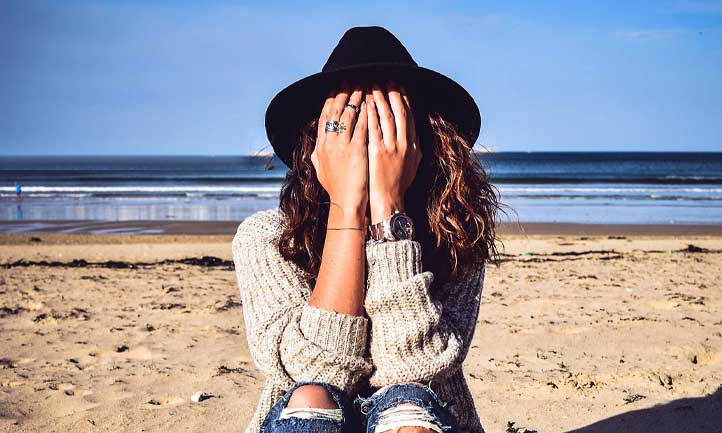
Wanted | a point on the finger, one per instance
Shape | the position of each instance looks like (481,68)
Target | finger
(338,104)
(324,114)
(360,131)
(410,118)
(374,129)
(348,116)
(386,118)
(399,110)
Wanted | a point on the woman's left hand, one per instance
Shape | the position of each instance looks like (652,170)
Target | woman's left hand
(393,151)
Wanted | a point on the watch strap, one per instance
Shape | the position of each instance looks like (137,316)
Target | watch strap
(376,231)
(382,231)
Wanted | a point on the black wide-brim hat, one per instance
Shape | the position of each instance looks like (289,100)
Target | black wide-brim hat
(368,54)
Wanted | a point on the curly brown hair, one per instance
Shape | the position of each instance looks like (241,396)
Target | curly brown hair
(451,201)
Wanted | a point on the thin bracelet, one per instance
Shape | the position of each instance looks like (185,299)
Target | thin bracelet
(344,228)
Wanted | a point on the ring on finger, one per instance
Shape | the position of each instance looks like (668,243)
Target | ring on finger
(355,107)
(332,126)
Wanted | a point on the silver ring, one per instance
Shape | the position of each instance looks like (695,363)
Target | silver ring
(355,108)
(332,126)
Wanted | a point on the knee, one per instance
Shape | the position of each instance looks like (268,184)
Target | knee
(315,396)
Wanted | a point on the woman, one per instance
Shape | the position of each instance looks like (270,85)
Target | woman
(384,226)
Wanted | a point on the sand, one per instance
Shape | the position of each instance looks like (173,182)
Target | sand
(575,334)
(151,227)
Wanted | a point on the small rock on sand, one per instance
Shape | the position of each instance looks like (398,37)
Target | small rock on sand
(200,396)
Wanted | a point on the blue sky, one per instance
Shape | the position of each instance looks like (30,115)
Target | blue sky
(182,77)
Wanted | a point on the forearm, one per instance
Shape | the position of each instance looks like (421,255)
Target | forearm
(416,336)
(289,339)
(340,284)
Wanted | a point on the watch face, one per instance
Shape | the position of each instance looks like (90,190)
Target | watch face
(401,226)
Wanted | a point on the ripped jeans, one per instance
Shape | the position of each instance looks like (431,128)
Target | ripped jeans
(390,407)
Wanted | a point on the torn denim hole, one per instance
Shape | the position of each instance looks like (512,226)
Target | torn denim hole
(366,403)
(406,415)
(312,413)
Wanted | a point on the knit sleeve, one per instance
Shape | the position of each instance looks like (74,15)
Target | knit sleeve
(417,333)
(289,339)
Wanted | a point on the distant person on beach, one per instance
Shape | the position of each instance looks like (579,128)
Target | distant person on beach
(361,291)
(18,189)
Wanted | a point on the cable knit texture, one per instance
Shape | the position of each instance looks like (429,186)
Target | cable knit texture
(417,329)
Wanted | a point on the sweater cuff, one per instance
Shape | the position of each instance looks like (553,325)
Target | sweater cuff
(333,331)
(393,261)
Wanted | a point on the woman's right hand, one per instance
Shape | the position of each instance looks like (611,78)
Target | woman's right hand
(341,158)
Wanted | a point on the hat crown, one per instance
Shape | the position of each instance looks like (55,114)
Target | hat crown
(364,55)
(365,46)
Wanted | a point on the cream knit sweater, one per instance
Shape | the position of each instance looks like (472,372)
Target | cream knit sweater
(418,329)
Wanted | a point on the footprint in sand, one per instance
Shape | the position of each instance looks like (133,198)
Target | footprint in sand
(164,401)
(123,351)
(702,354)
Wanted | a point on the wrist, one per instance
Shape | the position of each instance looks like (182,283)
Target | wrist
(347,216)
(383,209)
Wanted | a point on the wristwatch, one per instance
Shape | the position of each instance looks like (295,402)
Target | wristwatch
(397,227)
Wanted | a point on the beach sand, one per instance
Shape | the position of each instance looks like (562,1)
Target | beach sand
(576,333)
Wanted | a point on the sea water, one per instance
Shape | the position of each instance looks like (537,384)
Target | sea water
(579,187)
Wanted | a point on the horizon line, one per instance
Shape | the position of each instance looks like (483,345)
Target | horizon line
(273,154)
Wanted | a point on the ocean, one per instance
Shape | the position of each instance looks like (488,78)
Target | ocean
(572,187)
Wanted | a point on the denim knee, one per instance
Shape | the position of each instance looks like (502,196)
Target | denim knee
(341,420)
(382,411)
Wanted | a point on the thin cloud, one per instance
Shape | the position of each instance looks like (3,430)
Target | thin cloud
(656,34)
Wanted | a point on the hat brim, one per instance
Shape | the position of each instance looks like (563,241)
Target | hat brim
(430,91)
